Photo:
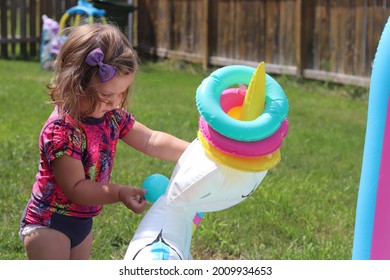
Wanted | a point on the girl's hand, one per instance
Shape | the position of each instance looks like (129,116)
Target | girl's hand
(133,198)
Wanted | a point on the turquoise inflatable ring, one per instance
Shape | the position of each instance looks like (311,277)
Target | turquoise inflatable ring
(208,102)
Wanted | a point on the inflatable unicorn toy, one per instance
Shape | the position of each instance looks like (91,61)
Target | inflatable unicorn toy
(239,139)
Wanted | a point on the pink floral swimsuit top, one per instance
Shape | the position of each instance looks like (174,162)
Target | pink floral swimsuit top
(93,142)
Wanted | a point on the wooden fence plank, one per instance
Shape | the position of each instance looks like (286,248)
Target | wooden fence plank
(350,33)
(206,26)
(271,18)
(33,28)
(13,6)
(317,39)
(299,38)
(291,29)
(23,28)
(325,38)
(342,16)
(357,46)
(370,36)
(261,34)
(283,30)
(334,43)
(4,28)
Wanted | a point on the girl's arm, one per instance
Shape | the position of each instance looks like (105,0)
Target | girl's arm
(155,143)
(69,174)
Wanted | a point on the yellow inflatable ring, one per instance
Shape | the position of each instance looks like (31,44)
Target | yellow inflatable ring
(244,164)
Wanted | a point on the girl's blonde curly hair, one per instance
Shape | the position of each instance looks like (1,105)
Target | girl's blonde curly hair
(74,80)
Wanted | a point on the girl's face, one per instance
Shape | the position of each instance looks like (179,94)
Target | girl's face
(111,93)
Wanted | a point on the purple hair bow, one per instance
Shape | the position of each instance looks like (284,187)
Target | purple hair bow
(106,71)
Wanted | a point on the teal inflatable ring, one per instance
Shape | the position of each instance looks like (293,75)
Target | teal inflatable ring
(208,102)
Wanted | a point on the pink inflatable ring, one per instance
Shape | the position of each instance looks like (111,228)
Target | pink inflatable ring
(243,149)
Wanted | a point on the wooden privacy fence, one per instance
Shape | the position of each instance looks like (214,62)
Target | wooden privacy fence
(333,40)
(21,25)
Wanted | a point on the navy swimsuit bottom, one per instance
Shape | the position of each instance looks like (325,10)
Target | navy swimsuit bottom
(77,229)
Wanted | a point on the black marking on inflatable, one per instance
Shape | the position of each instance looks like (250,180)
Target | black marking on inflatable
(158,239)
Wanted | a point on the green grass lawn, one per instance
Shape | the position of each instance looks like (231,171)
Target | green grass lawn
(304,208)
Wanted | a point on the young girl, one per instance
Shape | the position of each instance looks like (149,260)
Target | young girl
(94,70)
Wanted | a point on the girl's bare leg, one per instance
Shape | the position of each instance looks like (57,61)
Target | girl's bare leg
(47,244)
